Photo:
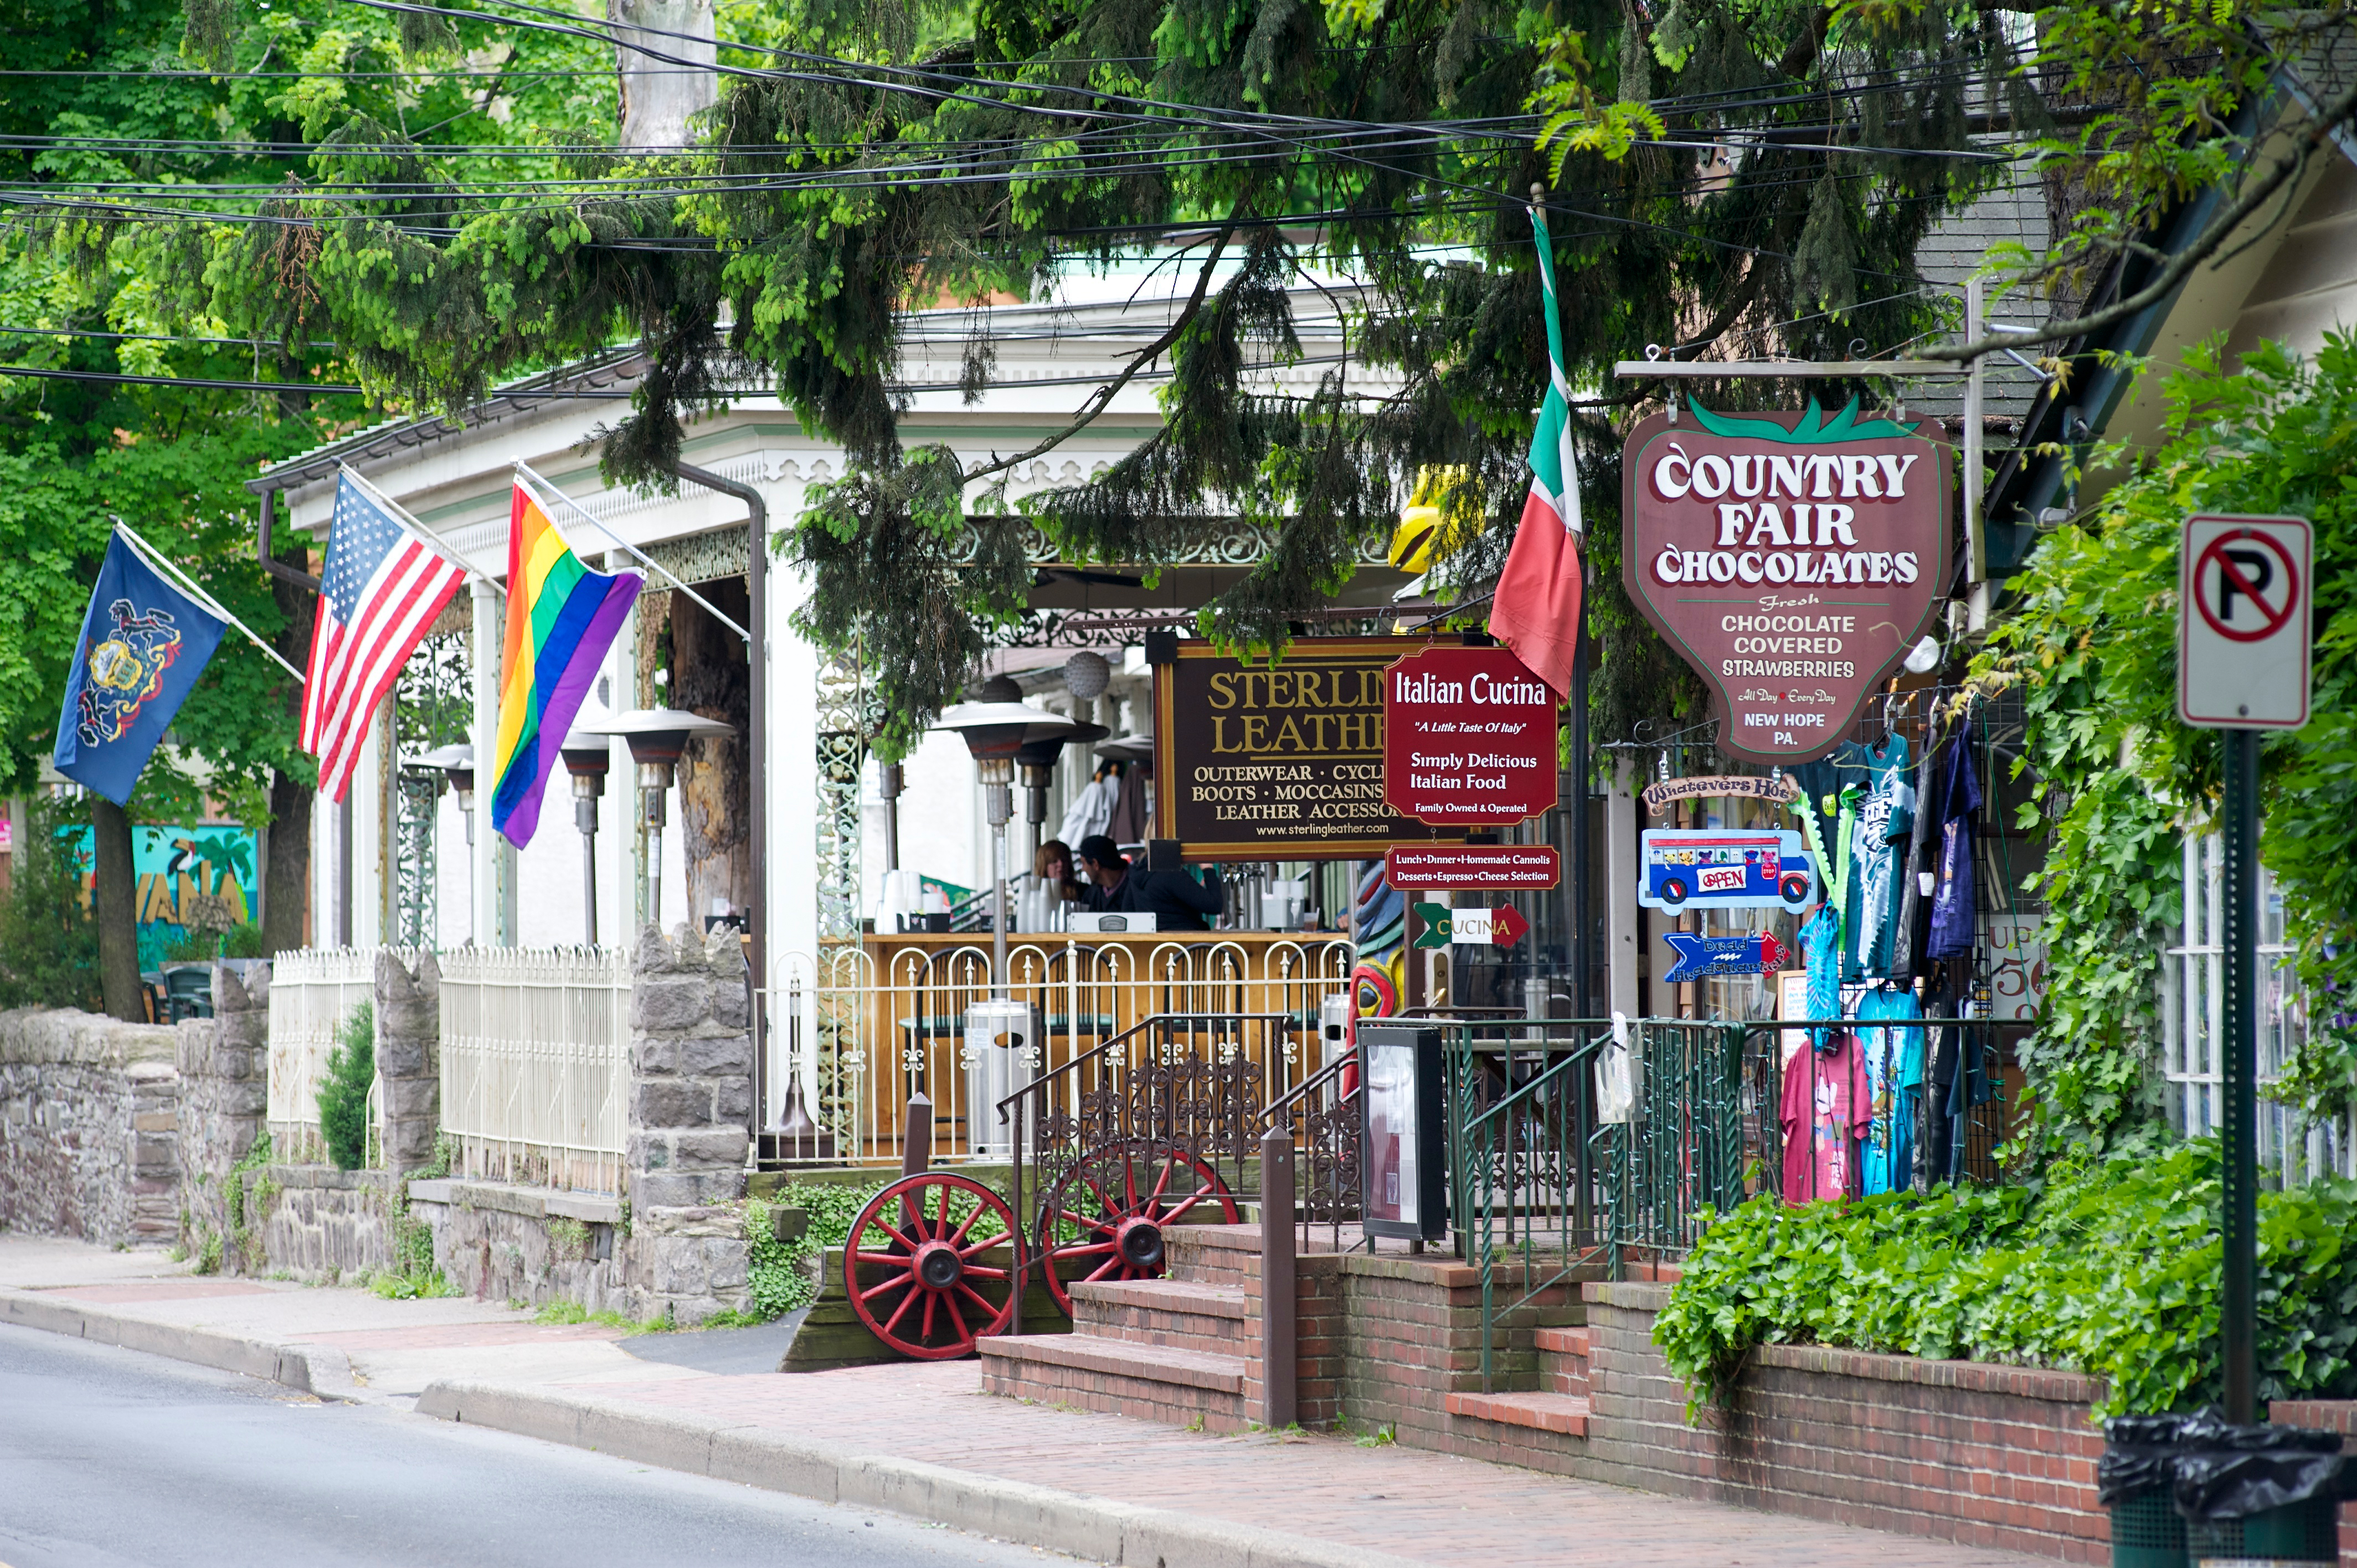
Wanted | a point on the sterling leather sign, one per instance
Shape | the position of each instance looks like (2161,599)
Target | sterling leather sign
(1792,558)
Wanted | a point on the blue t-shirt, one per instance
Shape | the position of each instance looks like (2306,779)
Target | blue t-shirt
(1894,1059)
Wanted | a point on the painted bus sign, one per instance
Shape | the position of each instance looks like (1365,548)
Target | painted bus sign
(1718,868)
(1791,558)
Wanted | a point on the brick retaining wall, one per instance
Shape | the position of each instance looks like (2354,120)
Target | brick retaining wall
(1965,1451)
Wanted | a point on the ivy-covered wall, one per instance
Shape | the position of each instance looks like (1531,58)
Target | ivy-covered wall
(2090,643)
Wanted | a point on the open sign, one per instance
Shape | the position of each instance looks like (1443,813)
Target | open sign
(1719,869)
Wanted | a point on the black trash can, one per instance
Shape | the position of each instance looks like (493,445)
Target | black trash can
(2136,1480)
(2260,1494)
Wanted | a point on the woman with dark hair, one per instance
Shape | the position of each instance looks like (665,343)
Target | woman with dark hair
(1050,887)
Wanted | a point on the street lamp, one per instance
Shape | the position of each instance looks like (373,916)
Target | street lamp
(657,738)
(457,762)
(587,756)
(996,734)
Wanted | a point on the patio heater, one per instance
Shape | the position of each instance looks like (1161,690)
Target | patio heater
(457,762)
(587,757)
(1037,763)
(996,734)
(657,738)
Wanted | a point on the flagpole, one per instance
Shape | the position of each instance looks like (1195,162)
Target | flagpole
(195,590)
(621,544)
(1579,848)
(418,530)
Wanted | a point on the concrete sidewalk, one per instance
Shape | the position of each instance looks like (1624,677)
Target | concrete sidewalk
(918,1438)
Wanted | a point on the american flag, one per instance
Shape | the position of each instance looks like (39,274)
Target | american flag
(382,588)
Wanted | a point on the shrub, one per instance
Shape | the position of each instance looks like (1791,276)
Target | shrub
(783,1275)
(49,947)
(2112,1268)
(344,1091)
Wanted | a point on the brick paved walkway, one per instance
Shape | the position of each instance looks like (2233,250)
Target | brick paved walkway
(1402,1500)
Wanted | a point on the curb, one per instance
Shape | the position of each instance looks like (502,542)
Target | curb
(320,1371)
(1084,1526)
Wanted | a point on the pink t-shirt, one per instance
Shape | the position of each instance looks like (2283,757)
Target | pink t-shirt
(1827,1106)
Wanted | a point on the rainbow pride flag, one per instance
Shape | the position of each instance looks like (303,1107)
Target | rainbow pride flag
(562,616)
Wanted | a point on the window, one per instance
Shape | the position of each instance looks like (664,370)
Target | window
(2292,1146)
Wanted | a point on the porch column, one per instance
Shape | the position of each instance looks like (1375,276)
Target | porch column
(489,620)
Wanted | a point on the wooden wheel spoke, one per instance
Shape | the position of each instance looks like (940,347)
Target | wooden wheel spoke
(925,1330)
(1116,1262)
(906,1277)
(1162,1183)
(901,1261)
(979,1300)
(901,1311)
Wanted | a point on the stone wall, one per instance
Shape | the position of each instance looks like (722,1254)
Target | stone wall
(224,1074)
(500,1243)
(88,1117)
(321,1225)
(690,1093)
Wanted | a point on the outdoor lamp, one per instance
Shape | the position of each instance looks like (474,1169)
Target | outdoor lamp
(457,762)
(587,757)
(657,738)
(1037,763)
(996,734)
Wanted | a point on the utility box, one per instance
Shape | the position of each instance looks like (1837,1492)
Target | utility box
(1000,1055)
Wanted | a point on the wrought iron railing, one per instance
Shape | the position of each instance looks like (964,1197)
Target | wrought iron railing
(876,1024)
(312,992)
(1528,1166)
(535,1063)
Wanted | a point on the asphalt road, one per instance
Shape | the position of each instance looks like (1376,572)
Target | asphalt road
(111,1457)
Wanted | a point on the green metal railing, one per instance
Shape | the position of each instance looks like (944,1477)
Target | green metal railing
(1542,1190)
(1685,1149)
(1529,1160)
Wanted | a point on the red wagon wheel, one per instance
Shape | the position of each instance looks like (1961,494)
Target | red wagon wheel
(1103,1218)
(914,1266)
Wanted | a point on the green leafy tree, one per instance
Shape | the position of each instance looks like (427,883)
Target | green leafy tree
(2092,649)
(1725,177)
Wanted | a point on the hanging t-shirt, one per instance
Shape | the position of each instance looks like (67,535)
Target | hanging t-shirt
(1894,1062)
(1917,868)
(1952,900)
(1886,819)
(1827,1108)
(1821,956)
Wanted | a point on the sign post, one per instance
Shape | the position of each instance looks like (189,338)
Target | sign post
(2242,654)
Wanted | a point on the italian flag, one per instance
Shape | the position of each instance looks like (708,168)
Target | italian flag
(1535,611)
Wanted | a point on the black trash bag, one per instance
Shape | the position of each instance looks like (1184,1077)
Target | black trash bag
(2223,1471)
(2139,1457)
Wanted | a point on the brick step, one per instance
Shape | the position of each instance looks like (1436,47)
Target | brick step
(1121,1377)
(1563,1360)
(1176,1312)
(1212,1254)
(1564,1414)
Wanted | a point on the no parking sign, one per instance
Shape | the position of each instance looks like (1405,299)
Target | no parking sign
(2244,586)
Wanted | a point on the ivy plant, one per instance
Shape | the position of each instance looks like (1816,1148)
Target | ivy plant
(2110,1266)
(2090,645)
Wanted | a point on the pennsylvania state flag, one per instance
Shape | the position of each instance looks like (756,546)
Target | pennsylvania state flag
(143,643)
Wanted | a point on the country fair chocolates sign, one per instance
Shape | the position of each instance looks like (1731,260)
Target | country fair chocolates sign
(1790,558)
